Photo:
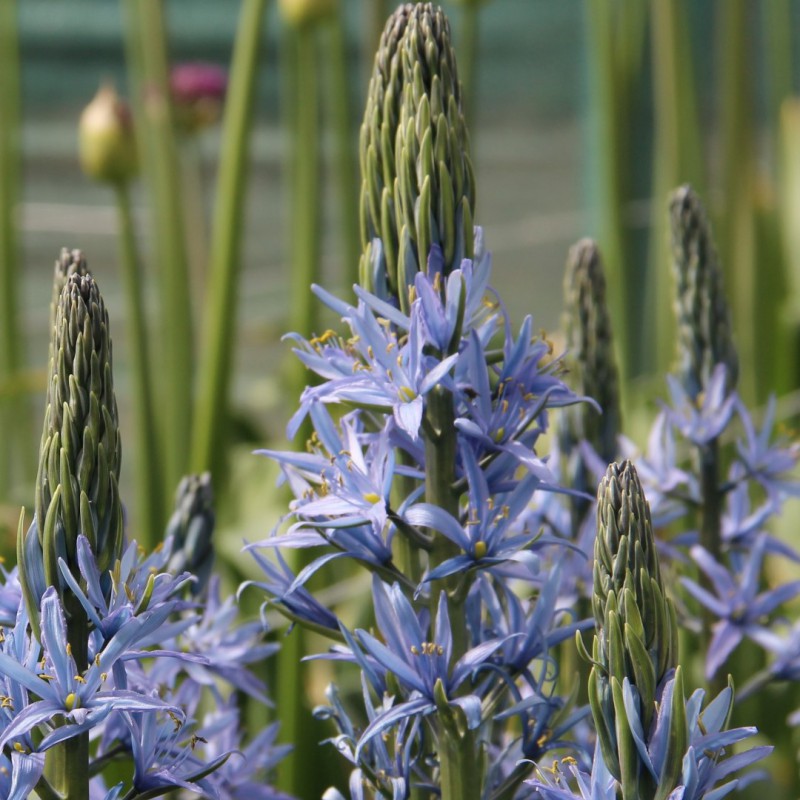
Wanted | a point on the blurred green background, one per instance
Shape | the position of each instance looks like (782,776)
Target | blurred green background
(583,114)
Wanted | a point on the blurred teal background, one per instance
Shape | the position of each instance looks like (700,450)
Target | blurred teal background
(585,113)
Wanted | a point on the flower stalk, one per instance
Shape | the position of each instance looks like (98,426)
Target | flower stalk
(220,316)
(148,65)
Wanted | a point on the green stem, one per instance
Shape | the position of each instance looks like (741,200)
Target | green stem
(346,141)
(468,59)
(14,418)
(147,55)
(146,460)
(405,554)
(458,757)
(67,764)
(615,47)
(711,530)
(678,159)
(306,190)
(736,217)
(459,766)
(226,242)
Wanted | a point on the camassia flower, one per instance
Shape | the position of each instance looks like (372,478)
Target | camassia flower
(487,536)
(376,368)
(421,665)
(740,607)
(79,699)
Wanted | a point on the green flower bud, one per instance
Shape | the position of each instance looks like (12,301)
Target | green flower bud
(418,187)
(299,13)
(105,137)
(70,262)
(704,326)
(191,527)
(635,621)
(590,360)
(79,457)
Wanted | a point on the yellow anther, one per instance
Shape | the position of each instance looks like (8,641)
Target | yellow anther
(79,678)
(407,393)
(372,497)
(69,649)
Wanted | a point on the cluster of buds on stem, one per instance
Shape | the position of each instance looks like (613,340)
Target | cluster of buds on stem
(636,647)
(418,187)
(592,365)
(704,326)
(79,456)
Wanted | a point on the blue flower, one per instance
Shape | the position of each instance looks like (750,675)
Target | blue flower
(375,369)
(703,766)
(670,489)
(342,490)
(502,409)
(487,536)
(164,756)
(136,587)
(765,460)
(704,423)
(420,664)
(287,592)
(65,694)
(388,757)
(244,775)
(740,607)
(555,782)
(225,649)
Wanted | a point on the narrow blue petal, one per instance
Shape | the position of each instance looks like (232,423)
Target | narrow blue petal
(26,771)
(471,706)
(391,662)
(419,706)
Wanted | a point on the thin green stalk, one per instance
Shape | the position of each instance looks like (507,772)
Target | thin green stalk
(405,554)
(193,191)
(607,173)
(736,217)
(14,419)
(301,111)
(226,242)
(149,66)
(468,58)
(306,190)
(711,532)
(677,156)
(459,766)
(458,758)
(147,463)
(346,142)
(789,209)
(67,764)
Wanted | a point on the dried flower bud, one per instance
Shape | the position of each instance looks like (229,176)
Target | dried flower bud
(198,92)
(105,137)
(299,13)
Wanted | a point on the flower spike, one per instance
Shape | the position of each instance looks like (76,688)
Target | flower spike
(704,326)
(635,648)
(79,457)
(418,186)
